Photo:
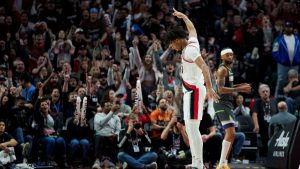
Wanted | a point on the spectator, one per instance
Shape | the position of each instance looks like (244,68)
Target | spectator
(107,127)
(142,116)
(51,16)
(175,153)
(93,96)
(242,113)
(170,81)
(264,108)
(104,59)
(15,118)
(42,61)
(7,142)
(56,105)
(267,64)
(103,82)
(42,75)
(41,40)
(79,137)
(148,72)
(68,99)
(48,133)
(23,133)
(241,109)
(95,72)
(174,102)
(286,52)
(19,69)
(173,97)
(238,142)
(292,87)
(131,97)
(81,58)
(281,119)
(62,48)
(28,89)
(52,82)
(109,95)
(26,26)
(122,53)
(77,37)
(212,141)
(4,72)
(95,26)
(124,110)
(135,146)
(160,119)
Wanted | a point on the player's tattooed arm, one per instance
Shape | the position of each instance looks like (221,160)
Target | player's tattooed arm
(221,80)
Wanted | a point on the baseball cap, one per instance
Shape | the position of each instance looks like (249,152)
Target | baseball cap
(93,10)
(288,24)
(3,66)
(103,72)
(82,45)
(94,38)
(110,58)
(79,30)
(2,78)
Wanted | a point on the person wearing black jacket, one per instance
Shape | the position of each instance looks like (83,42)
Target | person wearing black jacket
(135,146)
(48,132)
(7,142)
(212,142)
(79,138)
(176,153)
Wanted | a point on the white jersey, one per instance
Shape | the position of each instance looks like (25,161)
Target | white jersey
(191,73)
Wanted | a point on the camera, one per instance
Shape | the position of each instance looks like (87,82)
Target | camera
(168,154)
(137,126)
(180,120)
(118,102)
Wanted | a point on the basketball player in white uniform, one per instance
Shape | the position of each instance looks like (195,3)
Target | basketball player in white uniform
(194,74)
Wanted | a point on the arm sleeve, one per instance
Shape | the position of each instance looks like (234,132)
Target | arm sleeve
(256,106)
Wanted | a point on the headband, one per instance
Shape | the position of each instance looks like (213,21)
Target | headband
(225,51)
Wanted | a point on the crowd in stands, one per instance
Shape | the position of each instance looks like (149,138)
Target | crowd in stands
(91,82)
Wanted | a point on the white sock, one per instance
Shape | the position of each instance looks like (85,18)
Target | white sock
(224,152)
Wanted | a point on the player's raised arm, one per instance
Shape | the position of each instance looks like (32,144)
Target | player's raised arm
(189,25)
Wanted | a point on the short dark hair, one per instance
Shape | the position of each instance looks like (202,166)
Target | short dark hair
(44,99)
(161,98)
(175,33)
(25,76)
(103,101)
(72,93)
